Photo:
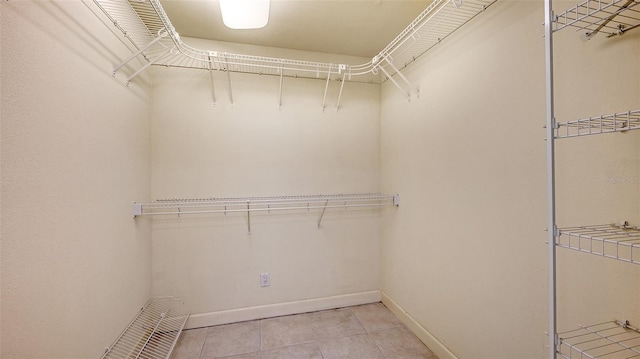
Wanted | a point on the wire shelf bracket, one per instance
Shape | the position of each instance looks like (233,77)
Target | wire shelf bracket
(615,339)
(152,334)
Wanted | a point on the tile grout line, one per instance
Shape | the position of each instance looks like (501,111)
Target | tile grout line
(204,342)
(307,315)
(260,331)
(368,335)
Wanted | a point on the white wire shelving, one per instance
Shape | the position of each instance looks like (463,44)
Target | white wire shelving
(610,340)
(152,334)
(608,240)
(146,25)
(268,204)
(610,17)
(617,122)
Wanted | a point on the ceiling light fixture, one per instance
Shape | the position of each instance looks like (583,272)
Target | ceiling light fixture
(245,14)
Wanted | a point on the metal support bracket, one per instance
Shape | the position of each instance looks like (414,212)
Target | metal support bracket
(396,200)
(280,92)
(226,60)
(322,213)
(137,209)
(161,34)
(401,75)
(344,77)
(248,217)
(146,66)
(213,89)
(326,87)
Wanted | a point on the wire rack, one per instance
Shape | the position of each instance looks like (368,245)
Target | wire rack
(152,334)
(267,204)
(611,241)
(610,340)
(433,25)
(146,25)
(611,17)
(617,122)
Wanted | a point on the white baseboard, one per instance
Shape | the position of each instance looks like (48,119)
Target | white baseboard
(280,309)
(427,338)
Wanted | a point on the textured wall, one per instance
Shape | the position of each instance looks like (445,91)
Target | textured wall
(253,148)
(465,253)
(74,155)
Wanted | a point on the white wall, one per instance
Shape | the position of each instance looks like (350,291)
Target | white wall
(465,255)
(75,154)
(255,149)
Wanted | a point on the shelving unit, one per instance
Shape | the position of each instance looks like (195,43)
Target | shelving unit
(268,204)
(152,334)
(148,28)
(615,339)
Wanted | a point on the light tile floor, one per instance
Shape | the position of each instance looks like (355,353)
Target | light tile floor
(368,331)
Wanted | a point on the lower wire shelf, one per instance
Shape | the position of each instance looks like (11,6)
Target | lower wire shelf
(152,334)
(611,241)
(609,340)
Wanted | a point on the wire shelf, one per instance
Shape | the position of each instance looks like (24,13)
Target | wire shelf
(612,17)
(266,203)
(152,334)
(434,24)
(248,205)
(611,241)
(146,25)
(610,340)
(617,122)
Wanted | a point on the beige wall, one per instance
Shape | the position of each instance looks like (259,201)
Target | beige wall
(75,153)
(255,149)
(465,255)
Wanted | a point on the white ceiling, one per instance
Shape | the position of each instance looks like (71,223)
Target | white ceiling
(348,27)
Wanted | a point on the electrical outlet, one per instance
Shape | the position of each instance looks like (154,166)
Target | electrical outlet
(264,279)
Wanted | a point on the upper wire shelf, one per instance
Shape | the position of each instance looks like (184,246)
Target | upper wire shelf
(152,334)
(439,20)
(267,204)
(611,17)
(611,241)
(146,25)
(610,340)
(617,122)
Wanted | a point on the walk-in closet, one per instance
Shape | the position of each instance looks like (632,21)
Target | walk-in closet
(348,179)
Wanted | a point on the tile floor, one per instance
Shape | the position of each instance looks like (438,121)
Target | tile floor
(367,331)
